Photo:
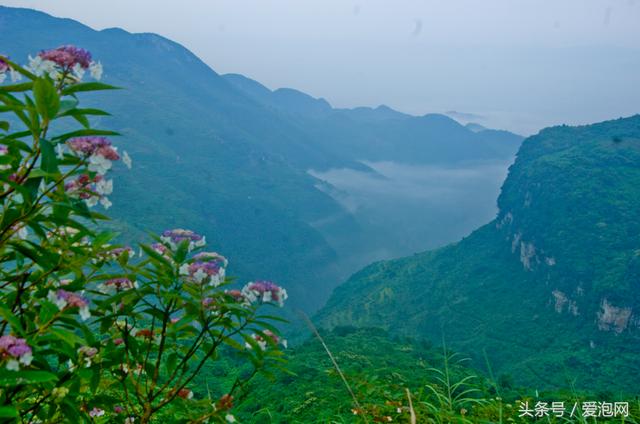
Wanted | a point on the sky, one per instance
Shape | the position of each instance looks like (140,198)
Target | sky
(514,64)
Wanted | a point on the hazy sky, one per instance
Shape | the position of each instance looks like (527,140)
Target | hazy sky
(518,64)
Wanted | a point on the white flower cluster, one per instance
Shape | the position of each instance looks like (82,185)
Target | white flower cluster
(13,75)
(265,292)
(174,237)
(104,188)
(39,67)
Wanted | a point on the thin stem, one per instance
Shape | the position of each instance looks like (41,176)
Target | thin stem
(333,360)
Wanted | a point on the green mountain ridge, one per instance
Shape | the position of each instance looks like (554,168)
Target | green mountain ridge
(376,134)
(550,288)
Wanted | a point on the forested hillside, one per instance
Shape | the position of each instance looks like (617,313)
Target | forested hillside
(549,289)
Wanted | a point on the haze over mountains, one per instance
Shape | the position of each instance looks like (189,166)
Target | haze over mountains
(255,170)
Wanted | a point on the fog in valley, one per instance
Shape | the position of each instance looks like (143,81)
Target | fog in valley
(405,209)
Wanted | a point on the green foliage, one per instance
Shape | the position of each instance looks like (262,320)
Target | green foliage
(378,369)
(549,288)
(87,333)
(381,368)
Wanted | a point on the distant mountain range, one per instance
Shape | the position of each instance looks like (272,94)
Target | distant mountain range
(229,158)
(382,133)
(549,289)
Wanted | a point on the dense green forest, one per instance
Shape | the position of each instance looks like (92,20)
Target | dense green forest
(549,289)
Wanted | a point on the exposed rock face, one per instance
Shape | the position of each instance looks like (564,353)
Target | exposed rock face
(573,308)
(561,300)
(527,253)
(613,318)
(506,220)
(516,242)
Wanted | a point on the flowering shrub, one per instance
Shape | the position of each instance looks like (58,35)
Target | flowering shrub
(90,331)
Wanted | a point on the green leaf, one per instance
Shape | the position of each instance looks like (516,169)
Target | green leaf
(95,381)
(82,120)
(87,86)
(49,159)
(47,311)
(67,105)
(172,361)
(4,125)
(14,378)
(8,412)
(32,110)
(67,336)
(13,321)
(47,100)
(71,411)
(229,341)
(88,111)
(83,133)
(17,88)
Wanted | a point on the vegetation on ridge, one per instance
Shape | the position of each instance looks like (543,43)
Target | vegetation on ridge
(90,331)
(550,287)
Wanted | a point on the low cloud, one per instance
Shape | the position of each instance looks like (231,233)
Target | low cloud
(415,208)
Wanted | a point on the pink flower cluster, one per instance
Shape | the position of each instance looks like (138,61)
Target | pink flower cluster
(68,56)
(261,340)
(81,187)
(87,353)
(264,292)
(208,302)
(16,350)
(174,237)
(209,267)
(117,284)
(4,66)
(115,253)
(96,412)
(66,300)
(98,150)
(160,248)
(211,256)
(91,189)
(89,146)
(68,61)
(237,296)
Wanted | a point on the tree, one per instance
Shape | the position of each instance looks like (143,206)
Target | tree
(90,331)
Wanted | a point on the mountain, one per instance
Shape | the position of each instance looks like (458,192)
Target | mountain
(205,157)
(228,158)
(550,289)
(475,127)
(382,134)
